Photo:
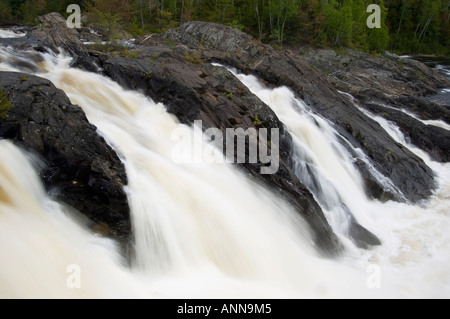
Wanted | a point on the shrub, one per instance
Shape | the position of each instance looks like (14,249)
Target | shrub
(5,104)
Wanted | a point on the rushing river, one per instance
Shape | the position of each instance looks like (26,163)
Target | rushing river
(204,230)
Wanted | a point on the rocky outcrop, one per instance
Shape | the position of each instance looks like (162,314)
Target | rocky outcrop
(174,68)
(53,28)
(192,90)
(80,169)
(422,108)
(52,34)
(388,84)
(432,139)
(386,76)
(219,43)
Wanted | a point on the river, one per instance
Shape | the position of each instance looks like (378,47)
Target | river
(203,230)
(442,65)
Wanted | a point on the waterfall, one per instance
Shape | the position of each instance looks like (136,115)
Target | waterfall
(321,162)
(325,166)
(40,242)
(203,230)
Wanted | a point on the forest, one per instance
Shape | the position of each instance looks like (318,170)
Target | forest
(407,26)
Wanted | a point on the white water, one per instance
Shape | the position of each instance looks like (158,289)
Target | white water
(203,230)
(443,69)
(438,123)
(10,34)
(322,163)
(421,230)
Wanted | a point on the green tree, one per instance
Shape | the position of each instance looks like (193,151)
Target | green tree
(61,5)
(123,9)
(339,22)
(5,13)
(409,26)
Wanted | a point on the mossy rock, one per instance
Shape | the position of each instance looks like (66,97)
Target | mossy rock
(5,104)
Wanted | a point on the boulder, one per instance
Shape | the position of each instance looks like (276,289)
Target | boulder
(80,169)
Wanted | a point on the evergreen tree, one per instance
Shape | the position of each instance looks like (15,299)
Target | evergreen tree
(5,13)
(407,26)
(378,38)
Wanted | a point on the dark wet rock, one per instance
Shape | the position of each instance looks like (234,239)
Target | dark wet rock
(361,237)
(80,169)
(175,68)
(53,31)
(53,28)
(422,108)
(395,82)
(90,35)
(52,34)
(432,139)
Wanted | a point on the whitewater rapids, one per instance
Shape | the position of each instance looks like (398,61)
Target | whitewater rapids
(204,230)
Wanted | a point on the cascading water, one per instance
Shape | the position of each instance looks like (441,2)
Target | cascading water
(4,33)
(336,182)
(39,242)
(203,230)
(438,123)
(321,162)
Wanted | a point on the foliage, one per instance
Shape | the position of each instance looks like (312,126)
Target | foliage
(257,121)
(194,57)
(5,104)
(407,26)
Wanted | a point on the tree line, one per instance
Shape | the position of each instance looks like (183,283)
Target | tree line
(407,26)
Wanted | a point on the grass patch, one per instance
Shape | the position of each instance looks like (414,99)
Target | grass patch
(257,121)
(5,105)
